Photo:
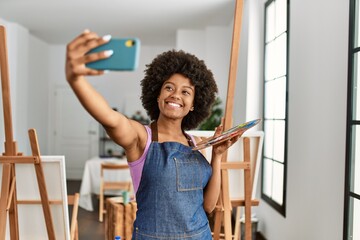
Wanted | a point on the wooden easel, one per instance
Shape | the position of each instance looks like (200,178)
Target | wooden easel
(224,205)
(11,157)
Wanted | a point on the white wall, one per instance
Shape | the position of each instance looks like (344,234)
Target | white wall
(317,124)
(28,76)
(253,11)
(192,41)
(38,94)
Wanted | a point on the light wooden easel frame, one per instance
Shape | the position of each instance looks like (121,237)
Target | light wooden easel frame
(11,157)
(224,206)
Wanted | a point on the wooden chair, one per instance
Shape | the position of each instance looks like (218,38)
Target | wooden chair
(244,155)
(111,185)
(74,227)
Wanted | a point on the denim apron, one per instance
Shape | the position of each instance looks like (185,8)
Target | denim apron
(170,195)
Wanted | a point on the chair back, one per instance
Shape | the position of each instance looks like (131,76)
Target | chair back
(111,183)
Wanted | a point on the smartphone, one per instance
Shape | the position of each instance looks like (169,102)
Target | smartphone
(125,56)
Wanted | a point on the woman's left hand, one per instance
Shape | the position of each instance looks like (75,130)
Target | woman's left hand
(220,148)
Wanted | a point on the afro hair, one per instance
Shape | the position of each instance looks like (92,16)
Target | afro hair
(188,65)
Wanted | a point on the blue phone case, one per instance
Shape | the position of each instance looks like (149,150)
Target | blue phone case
(125,56)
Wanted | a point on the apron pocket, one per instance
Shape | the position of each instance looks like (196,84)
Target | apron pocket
(188,173)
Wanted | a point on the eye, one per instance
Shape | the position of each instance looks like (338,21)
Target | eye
(168,88)
(187,93)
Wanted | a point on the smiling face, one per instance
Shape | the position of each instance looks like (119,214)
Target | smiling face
(176,97)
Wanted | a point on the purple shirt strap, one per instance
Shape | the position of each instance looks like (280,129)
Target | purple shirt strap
(137,166)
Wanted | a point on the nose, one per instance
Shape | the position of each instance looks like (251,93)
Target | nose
(175,95)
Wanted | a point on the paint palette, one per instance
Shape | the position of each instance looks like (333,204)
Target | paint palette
(226,135)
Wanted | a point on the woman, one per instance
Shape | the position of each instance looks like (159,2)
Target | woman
(175,186)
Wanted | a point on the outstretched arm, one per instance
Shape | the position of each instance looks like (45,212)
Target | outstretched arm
(122,130)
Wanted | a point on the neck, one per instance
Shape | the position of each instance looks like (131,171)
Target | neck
(170,131)
(169,126)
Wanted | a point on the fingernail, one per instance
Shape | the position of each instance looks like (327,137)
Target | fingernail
(106,71)
(86,31)
(106,37)
(108,53)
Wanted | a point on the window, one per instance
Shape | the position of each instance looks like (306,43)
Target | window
(275,118)
(352,175)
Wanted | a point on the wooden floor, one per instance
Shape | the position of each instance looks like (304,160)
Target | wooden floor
(89,226)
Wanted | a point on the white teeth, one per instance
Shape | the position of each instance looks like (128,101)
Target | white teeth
(174,104)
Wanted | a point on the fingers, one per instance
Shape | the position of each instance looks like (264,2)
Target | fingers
(234,140)
(81,40)
(84,37)
(77,57)
(84,43)
(222,147)
(218,130)
(95,56)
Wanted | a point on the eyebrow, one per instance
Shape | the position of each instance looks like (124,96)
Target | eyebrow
(190,87)
(187,86)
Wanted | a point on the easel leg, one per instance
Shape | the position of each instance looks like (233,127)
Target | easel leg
(5,187)
(248,188)
(237,234)
(217,223)
(248,225)
(13,211)
(227,204)
(42,186)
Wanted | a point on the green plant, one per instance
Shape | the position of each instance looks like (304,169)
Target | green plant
(214,119)
(137,116)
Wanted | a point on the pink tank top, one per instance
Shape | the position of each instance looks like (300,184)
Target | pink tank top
(137,166)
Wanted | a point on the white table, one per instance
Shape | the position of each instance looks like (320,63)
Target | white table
(90,183)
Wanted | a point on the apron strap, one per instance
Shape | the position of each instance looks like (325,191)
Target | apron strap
(154,134)
(154,131)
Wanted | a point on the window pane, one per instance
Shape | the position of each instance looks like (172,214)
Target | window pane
(280,56)
(267,180)
(275,58)
(268,138)
(356,88)
(354,219)
(355,162)
(280,98)
(270,61)
(279,140)
(269,105)
(278,180)
(270,22)
(275,99)
(281,13)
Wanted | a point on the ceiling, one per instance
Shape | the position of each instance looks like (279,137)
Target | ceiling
(153,21)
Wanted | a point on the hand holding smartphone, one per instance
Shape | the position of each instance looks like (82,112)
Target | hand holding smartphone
(125,55)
